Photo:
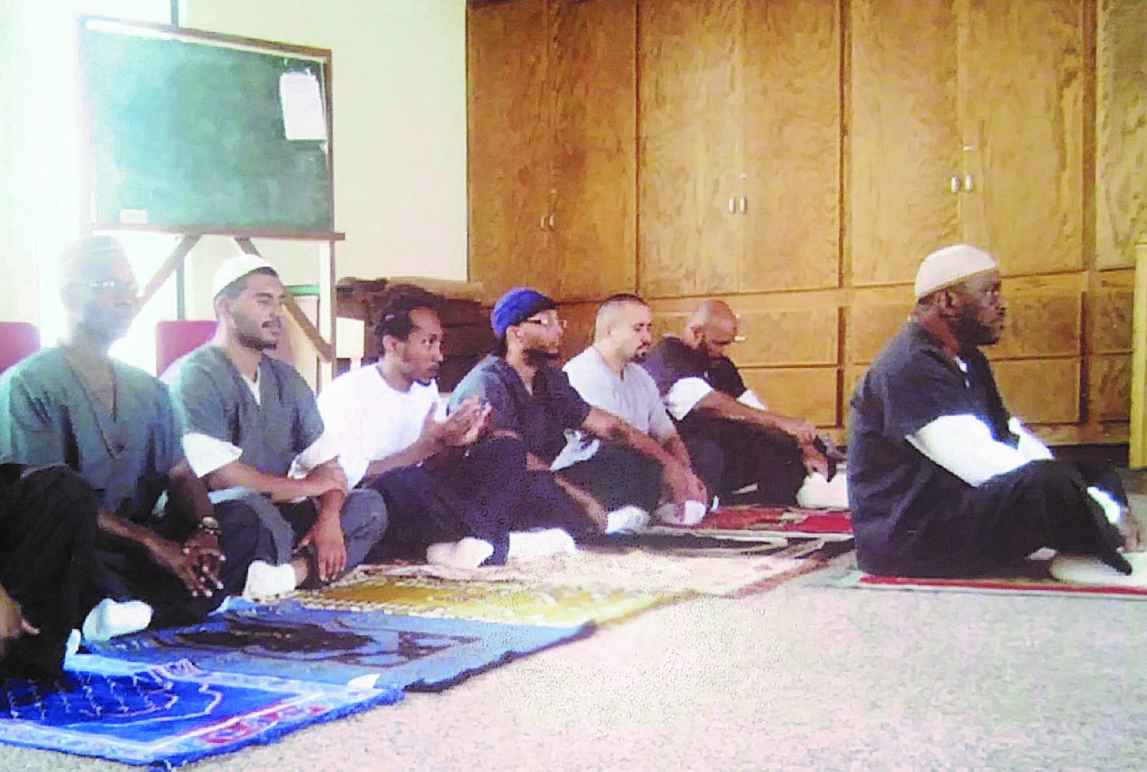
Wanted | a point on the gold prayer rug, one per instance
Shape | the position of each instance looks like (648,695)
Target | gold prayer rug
(508,602)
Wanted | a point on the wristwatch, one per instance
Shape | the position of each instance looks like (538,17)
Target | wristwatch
(210,525)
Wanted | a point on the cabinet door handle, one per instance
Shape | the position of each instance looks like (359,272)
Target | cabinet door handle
(551,220)
(732,204)
(542,222)
(743,205)
(969,183)
(954,183)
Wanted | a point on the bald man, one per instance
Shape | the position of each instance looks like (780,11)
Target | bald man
(607,376)
(943,480)
(724,422)
(115,426)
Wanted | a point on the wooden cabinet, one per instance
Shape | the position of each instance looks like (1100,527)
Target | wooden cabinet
(739,146)
(551,153)
(966,124)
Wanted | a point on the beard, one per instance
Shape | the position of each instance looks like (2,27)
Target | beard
(539,357)
(970,331)
(255,342)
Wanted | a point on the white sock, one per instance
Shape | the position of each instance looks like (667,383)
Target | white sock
(669,512)
(266,581)
(628,518)
(539,544)
(464,553)
(109,619)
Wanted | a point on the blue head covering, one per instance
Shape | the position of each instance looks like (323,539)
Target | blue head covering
(516,306)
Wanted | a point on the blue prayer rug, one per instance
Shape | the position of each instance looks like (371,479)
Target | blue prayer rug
(165,716)
(359,648)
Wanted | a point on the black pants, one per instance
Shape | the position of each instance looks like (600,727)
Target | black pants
(48,521)
(125,571)
(490,493)
(728,455)
(1041,504)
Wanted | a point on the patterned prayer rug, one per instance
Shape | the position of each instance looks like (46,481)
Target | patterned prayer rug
(750,523)
(625,567)
(340,646)
(165,716)
(505,602)
(1031,578)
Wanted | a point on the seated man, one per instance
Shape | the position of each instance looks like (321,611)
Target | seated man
(608,488)
(448,498)
(249,420)
(47,537)
(607,376)
(943,481)
(735,439)
(115,426)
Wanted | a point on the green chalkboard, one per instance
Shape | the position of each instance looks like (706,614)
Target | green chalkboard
(186,131)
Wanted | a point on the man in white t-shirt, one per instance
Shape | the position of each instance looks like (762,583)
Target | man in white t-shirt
(447,498)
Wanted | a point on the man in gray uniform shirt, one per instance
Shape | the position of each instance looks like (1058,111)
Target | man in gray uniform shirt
(252,428)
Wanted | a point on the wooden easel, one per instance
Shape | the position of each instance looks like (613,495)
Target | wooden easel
(323,337)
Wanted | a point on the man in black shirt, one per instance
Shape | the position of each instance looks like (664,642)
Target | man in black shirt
(733,438)
(942,480)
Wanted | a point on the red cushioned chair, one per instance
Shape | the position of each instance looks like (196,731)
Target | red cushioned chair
(173,339)
(17,340)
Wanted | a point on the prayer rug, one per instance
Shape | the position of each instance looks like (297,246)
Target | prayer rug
(1030,578)
(622,567)
(340,646)
(505,602)
(750,523)
(165,716)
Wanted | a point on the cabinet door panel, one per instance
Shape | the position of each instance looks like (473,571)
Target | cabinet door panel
(509,144)
(592,79)
(905,142)
(808,392)
(689,122)
(792,145)
(688,242)
(1023,133)
(688,63)
(1121,136)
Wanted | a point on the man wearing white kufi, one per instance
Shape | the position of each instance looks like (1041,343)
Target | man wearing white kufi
(943,481)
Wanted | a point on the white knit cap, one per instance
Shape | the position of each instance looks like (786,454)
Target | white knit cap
(951,265)
(236,268)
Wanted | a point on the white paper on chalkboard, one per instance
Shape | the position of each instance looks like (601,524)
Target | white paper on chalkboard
(302,101)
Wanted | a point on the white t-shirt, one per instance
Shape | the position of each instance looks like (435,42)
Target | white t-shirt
(368,420)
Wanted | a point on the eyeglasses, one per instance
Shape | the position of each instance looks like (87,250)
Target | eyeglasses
(109,286)
(547,322)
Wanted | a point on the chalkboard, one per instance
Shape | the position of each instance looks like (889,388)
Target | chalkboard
(187,132)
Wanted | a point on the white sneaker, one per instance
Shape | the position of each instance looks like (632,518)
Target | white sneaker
(626,520)
(110,619)
(265,581)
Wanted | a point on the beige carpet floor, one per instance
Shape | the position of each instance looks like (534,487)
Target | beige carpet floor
(800,677)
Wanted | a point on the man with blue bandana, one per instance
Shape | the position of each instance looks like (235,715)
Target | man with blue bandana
(608,486)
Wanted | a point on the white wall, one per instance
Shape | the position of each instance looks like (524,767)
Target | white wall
(399,89)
